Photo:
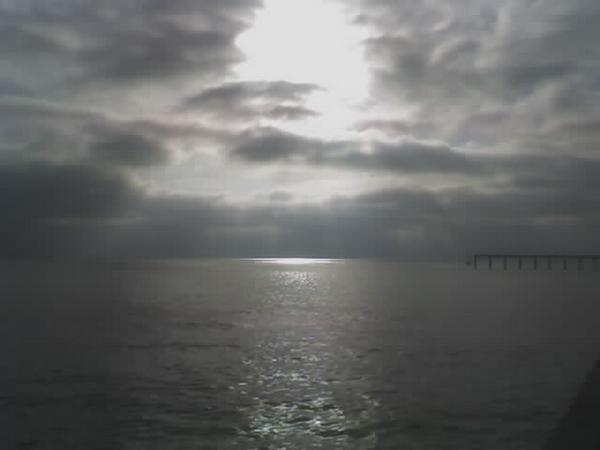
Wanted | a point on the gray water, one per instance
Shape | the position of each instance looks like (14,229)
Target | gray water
(235,354)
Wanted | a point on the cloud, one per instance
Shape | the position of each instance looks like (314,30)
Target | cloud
(278,100)
(269,145)
(130,149)
(72,44)
(32,110)
(408,156)
(158,53)
(50,132)
(49,191)
(95,211)
(61,210)
(411,157)
(455,64)
(251,90)
(480,133)
(289,112)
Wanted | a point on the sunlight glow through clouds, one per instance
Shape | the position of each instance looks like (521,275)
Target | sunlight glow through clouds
(310,41)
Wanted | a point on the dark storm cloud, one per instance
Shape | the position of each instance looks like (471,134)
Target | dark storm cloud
(250,100)
(409,156)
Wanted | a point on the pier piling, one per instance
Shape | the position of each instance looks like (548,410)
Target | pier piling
(522,261)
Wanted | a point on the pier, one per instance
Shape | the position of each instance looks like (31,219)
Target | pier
(537,261)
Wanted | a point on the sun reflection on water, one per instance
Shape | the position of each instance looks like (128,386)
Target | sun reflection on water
(296,378)
(294,261)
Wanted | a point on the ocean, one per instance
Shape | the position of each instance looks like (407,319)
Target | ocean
(289,354)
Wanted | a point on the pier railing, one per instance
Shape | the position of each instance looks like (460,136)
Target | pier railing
(536,261)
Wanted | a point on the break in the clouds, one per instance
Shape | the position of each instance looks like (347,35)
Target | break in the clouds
(178,128)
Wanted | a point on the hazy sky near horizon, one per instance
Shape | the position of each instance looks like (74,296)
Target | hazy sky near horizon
(184,128)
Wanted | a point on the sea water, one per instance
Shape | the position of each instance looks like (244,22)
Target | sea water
(294,354)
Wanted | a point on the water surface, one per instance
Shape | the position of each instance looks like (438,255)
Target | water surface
(240,354)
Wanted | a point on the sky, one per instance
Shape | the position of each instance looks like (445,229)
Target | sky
(428,129)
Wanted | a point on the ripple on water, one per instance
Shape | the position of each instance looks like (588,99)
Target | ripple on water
(319,418)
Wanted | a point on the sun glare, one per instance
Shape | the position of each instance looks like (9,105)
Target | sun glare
(293,261)
(309,41)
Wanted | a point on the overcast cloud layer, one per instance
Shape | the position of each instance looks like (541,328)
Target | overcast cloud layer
(125,131)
